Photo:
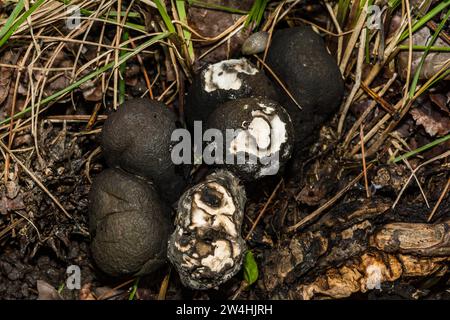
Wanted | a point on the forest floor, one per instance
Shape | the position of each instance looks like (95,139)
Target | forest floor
(328,231)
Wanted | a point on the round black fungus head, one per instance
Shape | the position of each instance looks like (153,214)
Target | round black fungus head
(206,247)
(224,81)
(128,223)
(263,136)
(299,57)
(136,138)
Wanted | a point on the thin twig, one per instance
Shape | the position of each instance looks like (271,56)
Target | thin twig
(327,204)
(339,30)
(38,182)
(363,156)
(278,80)
(441,197)
(261,213)
(164,286)
(441,156)
(357,83)
(353,39)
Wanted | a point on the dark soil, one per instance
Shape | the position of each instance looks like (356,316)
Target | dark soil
(39,241)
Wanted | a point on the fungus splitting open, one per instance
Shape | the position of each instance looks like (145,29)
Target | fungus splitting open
(129,216)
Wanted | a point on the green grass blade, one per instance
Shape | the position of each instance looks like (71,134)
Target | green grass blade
(422,21)
(251,13)
(90,76)
(19,22)
(123,67)
(181,9)
(165,16)
(413,86)
(12,17)
(256,13)
(134,289)
(421,149)
(393,4)
(110,17)
(206,5)
(342,13)
(423,48)
(261,13)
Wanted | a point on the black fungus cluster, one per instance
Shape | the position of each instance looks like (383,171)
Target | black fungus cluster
(129,219)
(269,127)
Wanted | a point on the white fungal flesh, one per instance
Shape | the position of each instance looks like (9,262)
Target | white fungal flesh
(260,130)
(278,134)
(224,75)
(207,247)
(221,258)
(266,109)
(264,135)
(204,216)
(374,276)
(189,261)
(220,253)
(182,248)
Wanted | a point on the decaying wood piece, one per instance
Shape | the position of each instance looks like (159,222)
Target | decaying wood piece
(414,238)
(294,259)
(368,272)
(345,251)
(338,236)
(346,215)
(350,227)
(347,243)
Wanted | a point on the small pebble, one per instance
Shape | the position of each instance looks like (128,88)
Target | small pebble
(256,43)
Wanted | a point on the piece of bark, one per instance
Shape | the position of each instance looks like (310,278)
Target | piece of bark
(293,259)
(414,238)
(347,244)
(391,177)
(368,272)
(347,214)
(342,233)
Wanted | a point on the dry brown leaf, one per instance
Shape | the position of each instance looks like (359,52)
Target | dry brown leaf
(210,23)
(6,74)
(434,122)
(433,62)
(7,204)
(47,291)
(92,90)
(441,101)
(86,293)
